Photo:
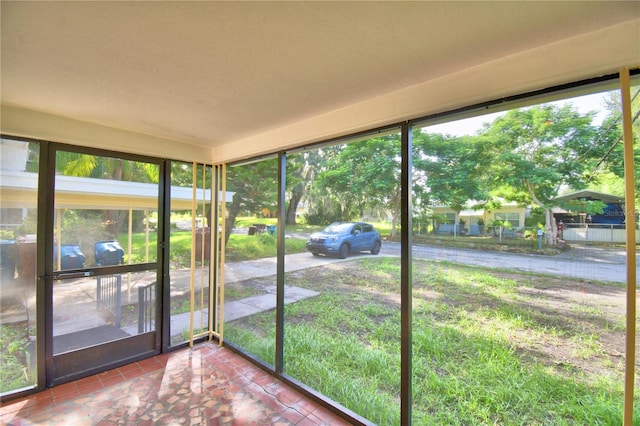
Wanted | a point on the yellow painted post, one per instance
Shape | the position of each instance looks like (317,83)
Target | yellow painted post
(630,223)
(223,212)
(192,277)
(202,244)
(212,250)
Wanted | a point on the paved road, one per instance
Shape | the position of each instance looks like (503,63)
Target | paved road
(600,264)
(591,263)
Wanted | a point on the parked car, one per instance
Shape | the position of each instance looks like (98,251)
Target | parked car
(341,238)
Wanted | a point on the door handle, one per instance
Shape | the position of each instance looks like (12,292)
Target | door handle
(70,275)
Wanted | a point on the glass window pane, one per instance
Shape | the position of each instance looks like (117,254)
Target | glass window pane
(342,293)
(180,246)
(18,242)
(104,211)
(520,314)
(250,268)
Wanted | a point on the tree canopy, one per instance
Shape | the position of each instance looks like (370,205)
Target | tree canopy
(527,155)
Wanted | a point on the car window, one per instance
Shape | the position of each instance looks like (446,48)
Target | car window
(357,229)
(367,228)
(339,228)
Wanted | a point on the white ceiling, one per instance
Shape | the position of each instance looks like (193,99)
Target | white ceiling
(239,78)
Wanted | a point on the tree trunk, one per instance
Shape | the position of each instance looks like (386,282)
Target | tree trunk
(396,213)
(292,208)
(550,221)
(230,221)
(551,228)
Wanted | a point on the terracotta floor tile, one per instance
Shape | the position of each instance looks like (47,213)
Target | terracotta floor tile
(133,367)
(206,385)
(112,380)
(89,385)
(150,364)
(64,391)
(307,422)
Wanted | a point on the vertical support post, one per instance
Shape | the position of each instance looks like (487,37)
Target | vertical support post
(192,277)
(222,179)
(163,277)
(630,222)
(406,277)
(282,181)
(44,265)
(203,245)
(213,252)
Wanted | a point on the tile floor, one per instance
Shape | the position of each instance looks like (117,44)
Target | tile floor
(206,385)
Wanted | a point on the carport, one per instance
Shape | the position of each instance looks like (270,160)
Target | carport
(591,216)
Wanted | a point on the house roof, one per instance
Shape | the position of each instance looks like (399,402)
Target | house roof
(18,189)
(590,195)
(222,81)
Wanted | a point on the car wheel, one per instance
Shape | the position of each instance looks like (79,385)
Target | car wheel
(376,247)
(344,251)
(315,253)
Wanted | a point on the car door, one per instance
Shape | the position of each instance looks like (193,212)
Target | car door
(368,236)
(357,239)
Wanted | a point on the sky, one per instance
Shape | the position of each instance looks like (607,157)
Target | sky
(469,126)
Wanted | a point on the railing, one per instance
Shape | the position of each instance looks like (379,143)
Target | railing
(109,295)
(146,307)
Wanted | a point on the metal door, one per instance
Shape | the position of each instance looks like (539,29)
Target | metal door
(102,262)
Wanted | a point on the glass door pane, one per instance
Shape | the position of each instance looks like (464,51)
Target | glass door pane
(104,264)
(107,310)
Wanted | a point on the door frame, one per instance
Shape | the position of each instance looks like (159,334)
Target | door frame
(57,369)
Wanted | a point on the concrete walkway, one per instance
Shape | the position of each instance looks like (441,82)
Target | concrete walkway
(245,270)
(239,308)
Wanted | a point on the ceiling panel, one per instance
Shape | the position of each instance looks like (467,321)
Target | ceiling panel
(213,74)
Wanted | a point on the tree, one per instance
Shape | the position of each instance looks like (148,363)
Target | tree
(366,175)
(301,172)
(328,203)
(255,186)
(537,151)
(610,144)
(454,168)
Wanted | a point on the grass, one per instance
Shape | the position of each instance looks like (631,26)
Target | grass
(249,247)
(487,348)
(239,247)
(14,340)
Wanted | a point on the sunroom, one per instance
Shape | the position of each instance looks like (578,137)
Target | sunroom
(360,112)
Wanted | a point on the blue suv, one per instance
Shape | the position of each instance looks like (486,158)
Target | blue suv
(341,238)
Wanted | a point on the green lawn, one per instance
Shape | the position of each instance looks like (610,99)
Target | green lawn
(490,347)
